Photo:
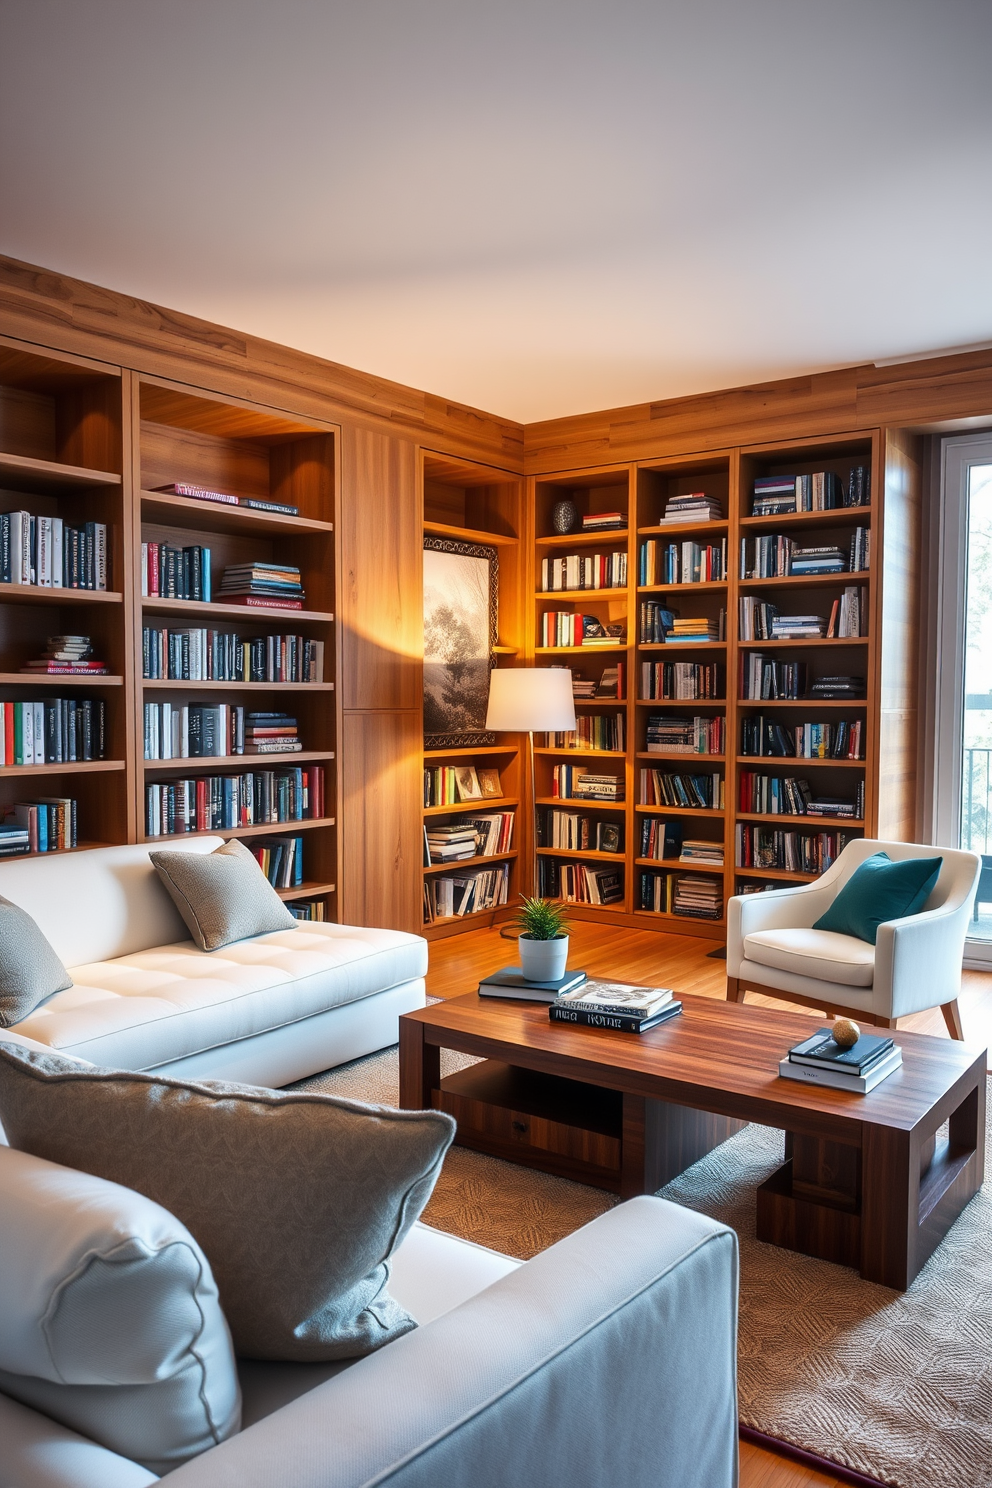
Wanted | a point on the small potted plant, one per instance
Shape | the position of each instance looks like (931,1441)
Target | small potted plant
(543,943)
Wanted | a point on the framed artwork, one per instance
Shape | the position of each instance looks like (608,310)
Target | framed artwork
(467,783)
(460,627)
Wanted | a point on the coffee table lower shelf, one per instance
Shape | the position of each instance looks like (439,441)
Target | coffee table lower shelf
(622,1143)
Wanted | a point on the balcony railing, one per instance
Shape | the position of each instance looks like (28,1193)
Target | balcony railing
(976,802)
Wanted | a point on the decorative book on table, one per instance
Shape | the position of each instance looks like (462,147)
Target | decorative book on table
(616,1005)
(820,1060)
(510,982)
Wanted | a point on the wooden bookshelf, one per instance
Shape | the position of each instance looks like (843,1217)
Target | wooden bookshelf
(245,450)
(62,440)
(470,503)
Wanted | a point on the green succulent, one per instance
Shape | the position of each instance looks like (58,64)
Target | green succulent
(541,919)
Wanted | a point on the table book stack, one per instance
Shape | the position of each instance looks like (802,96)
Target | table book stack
(820,1060)
(615,1005)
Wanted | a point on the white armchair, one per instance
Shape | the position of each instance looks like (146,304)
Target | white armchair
(915,963)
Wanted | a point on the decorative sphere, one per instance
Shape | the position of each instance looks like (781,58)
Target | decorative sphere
(846,1032)
(564,516)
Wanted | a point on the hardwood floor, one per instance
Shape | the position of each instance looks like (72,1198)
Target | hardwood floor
(686,964)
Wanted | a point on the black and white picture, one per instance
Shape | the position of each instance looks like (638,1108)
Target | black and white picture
(460,589)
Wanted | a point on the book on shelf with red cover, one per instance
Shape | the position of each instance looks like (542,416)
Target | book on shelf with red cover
(198,493)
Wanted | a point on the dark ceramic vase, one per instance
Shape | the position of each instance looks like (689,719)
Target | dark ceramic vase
(564,516)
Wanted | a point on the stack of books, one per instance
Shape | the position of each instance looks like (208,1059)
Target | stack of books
(49,824)
(694,507)
(798,627)
(773,495)
(817,561)
(14,841)
(220,498)
(615,1005)
(583,688)
(682,735)
(69,654)
(691,632)
(451,844)
(837,687)
(821,1061)
(604,522)
(271,733)
(835,806)
(262,585)
(510,982)
(598,787)
(698,897)
(695,850)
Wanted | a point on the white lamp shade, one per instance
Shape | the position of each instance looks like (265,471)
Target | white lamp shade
(530,699)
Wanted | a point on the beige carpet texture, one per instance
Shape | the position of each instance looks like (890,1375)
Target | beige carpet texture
(895,1386)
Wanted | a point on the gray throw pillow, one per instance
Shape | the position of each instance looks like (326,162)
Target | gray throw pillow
(297,1199)
(223,896)
(30,971)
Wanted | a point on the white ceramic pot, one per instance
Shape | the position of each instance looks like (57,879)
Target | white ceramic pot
(543,960)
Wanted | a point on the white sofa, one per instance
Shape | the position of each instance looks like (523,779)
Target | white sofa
(266,1011)
(610,1359)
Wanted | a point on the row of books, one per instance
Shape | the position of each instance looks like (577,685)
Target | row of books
(775,556)
(261,584)
(682,563)
(763,678)
(577,833)
(168,572)
(569,782)
(662,840)
(47,824)
(584,571)
(308,910)
(790,795)
(592,731)
(222,498)
(53,732)
(611,684)
(465,893)
(658,624)
(694,506)
(448,785)
(677,734)
(195,655)
(695,896)
(280,859)
(821,490)
(791,850)
(215,803)
(693,792)
(761,621)
(563,628)
(579,883)
(682,681)
(215,730)
(859,1067)
(470,837)
(51,554)
(766,736)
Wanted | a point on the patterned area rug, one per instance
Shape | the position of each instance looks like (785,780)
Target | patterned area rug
(897,1387)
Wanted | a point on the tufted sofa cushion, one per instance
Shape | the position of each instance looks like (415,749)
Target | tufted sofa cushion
(150,1007)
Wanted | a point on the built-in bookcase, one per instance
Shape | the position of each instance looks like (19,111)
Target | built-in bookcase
(722,718)
(194,438)
(62,441)
(469,503)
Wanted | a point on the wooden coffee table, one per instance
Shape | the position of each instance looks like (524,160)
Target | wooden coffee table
(865,1182)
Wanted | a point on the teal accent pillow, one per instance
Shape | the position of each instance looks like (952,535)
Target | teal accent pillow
(880,890)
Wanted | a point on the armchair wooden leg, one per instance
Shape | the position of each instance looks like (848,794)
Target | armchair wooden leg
(735,992)
(952,1017)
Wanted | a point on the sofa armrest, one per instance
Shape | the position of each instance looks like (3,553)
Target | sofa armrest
(918,961)
(610,1358)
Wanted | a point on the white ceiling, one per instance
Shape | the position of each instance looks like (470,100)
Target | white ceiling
(537,206)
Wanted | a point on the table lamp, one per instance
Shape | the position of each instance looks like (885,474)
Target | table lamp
(525,700)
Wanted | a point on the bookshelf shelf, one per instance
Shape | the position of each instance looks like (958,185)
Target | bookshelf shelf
(684,529)
(675,648)
(491,803)
(50,477)
(775,873)
(67,767)
(703,587)
(680,754)
(247,615)
(61,680)
(475,862)
(153,684)
(266,829)
(616,536)
(682,921)
(811,822)
(581,854)
(469,534)
(579,595)
(198,763)
(677,865)
(843,516)
(814,643)
(808,581)
(580,651)
(805,704)
(215,516)
(34,594)
(475,752)
(792,762)
(586,803)
(307,891)
(714,813)
(583,753)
